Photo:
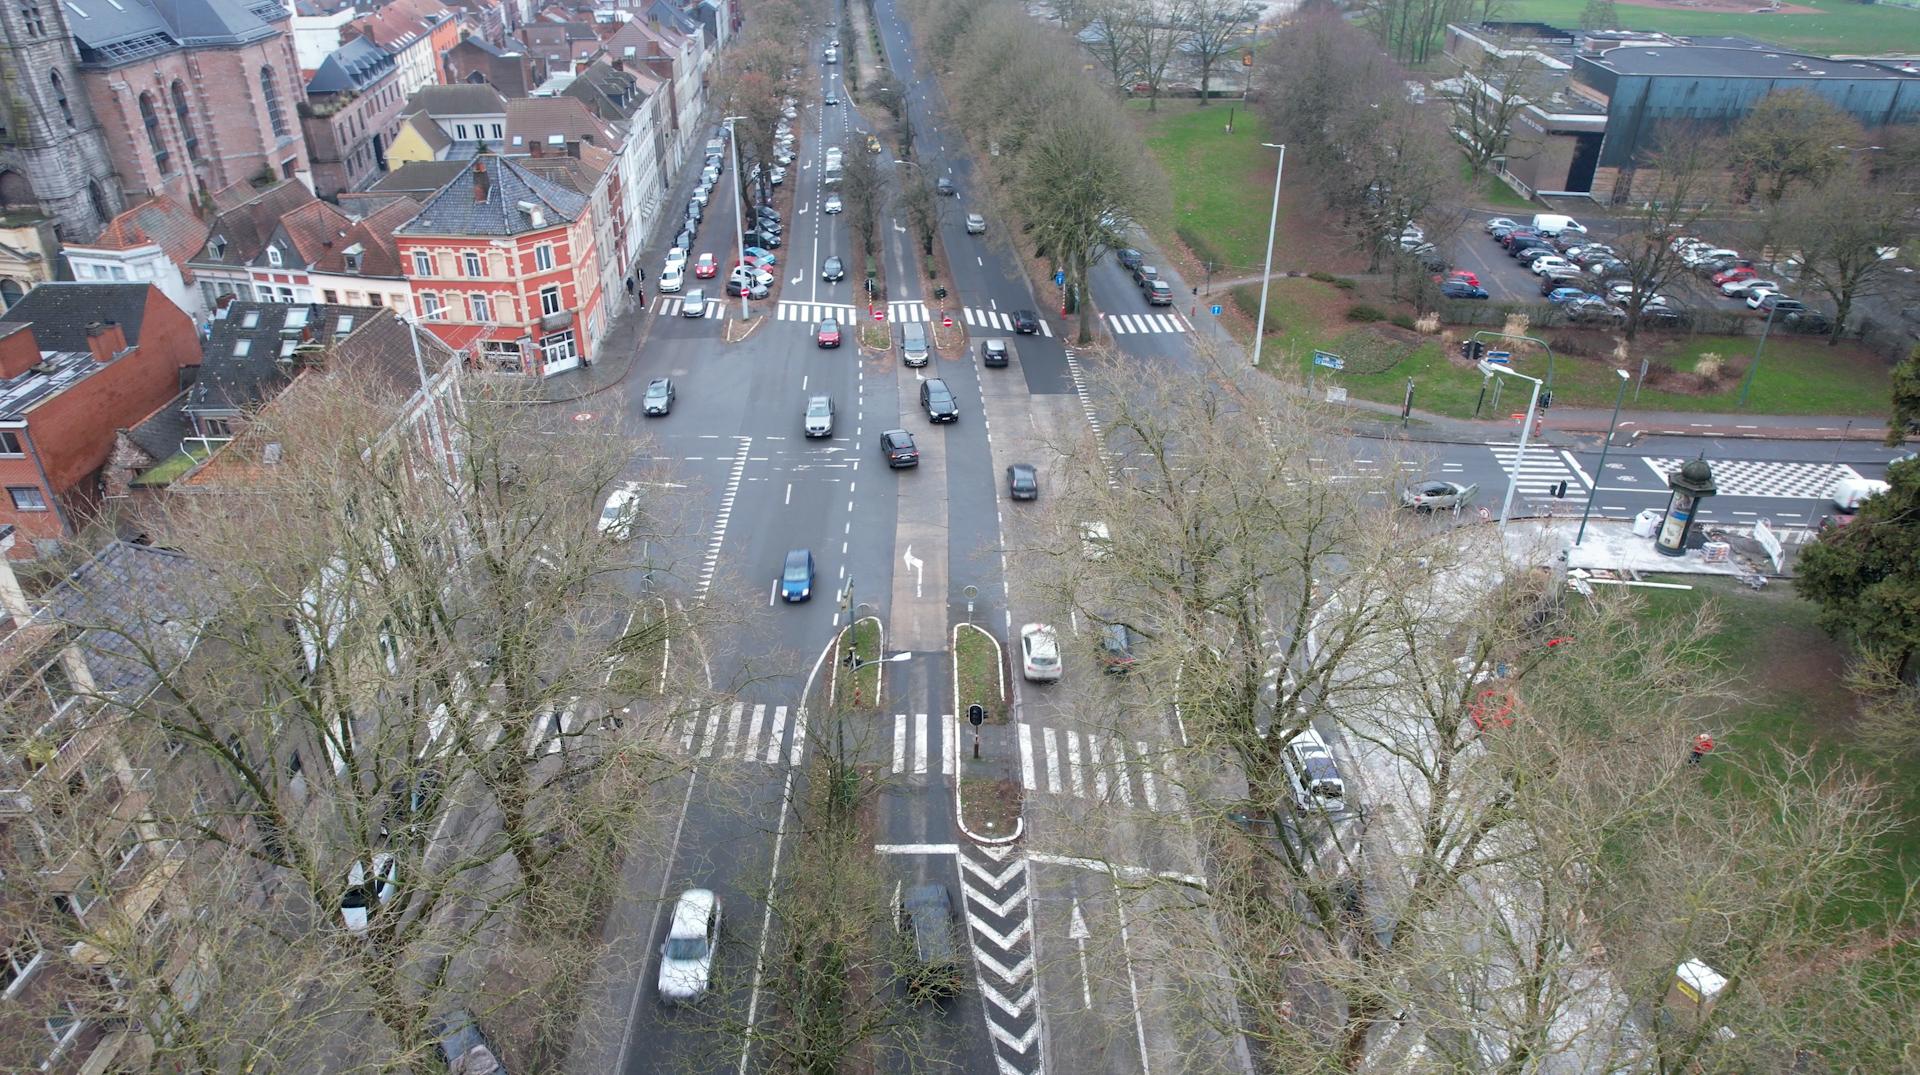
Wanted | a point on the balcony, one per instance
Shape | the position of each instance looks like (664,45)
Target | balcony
(556,321)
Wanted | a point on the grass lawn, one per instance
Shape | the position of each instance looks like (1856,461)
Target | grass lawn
(1490,190)
(1791,699)
(1841,26)
(861,638)
(1222,184)
(977,661)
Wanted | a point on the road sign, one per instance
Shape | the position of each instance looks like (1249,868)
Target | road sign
(946,321)
(879,314)
(1332,362)
(1500,358)
(1059,277)
(1214,309)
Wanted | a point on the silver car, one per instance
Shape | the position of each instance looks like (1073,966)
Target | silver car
(686,959)
(1438,496)
(819,421)
(976,224)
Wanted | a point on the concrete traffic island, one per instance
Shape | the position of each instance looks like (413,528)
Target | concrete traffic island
(987,796)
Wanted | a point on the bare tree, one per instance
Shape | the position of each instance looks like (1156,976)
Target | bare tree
(1216,30)
(1496,88)
(861,180)
(1843,233)
(1158,41)
(1410,29)
(922,207)
(1114,38)
(1687,170)
(1792,138)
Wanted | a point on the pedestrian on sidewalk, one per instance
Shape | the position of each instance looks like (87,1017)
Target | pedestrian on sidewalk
(1702,745)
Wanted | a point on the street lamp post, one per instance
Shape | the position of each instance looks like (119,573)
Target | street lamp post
(739,224)
(1618,397)
(1488,369)
(1746,382)
(1266,276)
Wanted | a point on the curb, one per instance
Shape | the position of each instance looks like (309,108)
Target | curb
(959,810)
(833,680)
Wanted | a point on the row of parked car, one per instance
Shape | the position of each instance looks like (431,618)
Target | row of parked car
(1736,277)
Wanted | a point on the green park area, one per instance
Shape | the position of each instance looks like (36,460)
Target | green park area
(1221,181)
(1833,26)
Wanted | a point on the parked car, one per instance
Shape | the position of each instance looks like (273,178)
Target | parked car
(1461,276)
(1741,287)
(1775,305)
(897,445)
(671,281)
(686,958)
(1555,279)
(366,891)
(1312,774)
(659,397)
(1502,222)
(1023,482)
(819,417)
(1738,272)
(676,258)
(760,256)
(1539,266)
(1808,321)
(752,289)
(459,1043)
(1460,289)
(1565,294)
(1039,653)
(934,969)
(1593,309)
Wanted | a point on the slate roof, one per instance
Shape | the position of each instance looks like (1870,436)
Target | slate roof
(669,16)
(159,434)
(419,177)
(351,68)
(453,210)
(242,232)
(129,597)
(460,99)
(246,356)
(61,312)
(159,220)
(579,174)
(109,34)
(612,95)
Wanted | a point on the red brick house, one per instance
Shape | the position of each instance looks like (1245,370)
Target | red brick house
(78,362)
(506,259)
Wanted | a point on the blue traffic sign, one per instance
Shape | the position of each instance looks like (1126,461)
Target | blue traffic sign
(1215,309)
(1500,358)
(1060,276)
(1332,362)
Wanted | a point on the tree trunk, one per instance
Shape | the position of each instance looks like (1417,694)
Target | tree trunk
(1841,309)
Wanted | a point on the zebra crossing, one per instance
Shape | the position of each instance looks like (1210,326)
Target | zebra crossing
(743,731)
(1543,468)
(995,319)
(1765,477)
(673,305)
(1135,324)
(909,311)
(814,312)
(1102,768)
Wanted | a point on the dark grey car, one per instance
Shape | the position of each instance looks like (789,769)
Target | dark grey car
(1023,482)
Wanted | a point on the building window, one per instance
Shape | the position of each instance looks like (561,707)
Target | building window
(558,348)
(27,498)
(185,117)
(10,442)
(422,263)
(242,348)
(60,98)
(374,298)
(273,256)
(549,300)
(474,265)
(480,308)
(460,132)
(430,305)
(156,141)
(271,95)
(330,297)
(36,23)
(62,1026)
(17,962)
(543,256)
(498,134)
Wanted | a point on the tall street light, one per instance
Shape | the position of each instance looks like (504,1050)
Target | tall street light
(1746,382)
(739,226)
(1488,369)
(1602,471)
(1266,277)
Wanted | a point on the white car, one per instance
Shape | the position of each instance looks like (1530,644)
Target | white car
(976,224)
(621,512)
(362,895)
(686,959)
(832,205)
(1039,653)
(1541,266)
(672,280)
(1701,255)
(676,259)
(750,276)
(1739,288)
(1757,295)
(777,176)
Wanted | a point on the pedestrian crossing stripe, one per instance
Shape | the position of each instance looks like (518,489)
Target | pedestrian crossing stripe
(814,311)
(738,731)
(974,317)
(908,311)
(671,305)
(1124,324)
(1089,765)
(1543,467)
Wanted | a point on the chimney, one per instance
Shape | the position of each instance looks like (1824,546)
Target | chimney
(479,180)
(106,340)
(19,351)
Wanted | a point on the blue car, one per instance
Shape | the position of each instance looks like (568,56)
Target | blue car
(764,256)
(796,579)
(1565,294)
(1460,289)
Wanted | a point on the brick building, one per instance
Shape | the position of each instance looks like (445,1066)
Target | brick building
(77,362)
(151,241)
(194,95)
(512,71)
(54,161)
(417,32)
(351,114)
(237,239)
(506,259)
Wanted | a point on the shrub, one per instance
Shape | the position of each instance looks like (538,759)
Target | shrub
(1709,366)
(1323,276)
(1343,283)
(1363,313)
(1402,320)
(1428,324)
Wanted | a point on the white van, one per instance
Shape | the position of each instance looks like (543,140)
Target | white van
(1312,775)
(1554,224)
(1849,493)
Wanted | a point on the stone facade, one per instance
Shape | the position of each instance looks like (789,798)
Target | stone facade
(54,161)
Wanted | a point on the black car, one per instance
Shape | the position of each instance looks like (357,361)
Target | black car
(944,186)
(1808,321)
(1460,289)
(993,352)
(933,967)
(1023,482)
(768,239)
(833,269)
(1525,245)
(937,399)
(1026,322)
(897,446)
(684,240)
(659,397)
(1129,258)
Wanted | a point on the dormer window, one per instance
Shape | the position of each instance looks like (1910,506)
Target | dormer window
(297,317)
(273,256)
(218,245)
(241,347)
(250,319)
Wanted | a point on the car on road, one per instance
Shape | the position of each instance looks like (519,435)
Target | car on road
(1039,653)
(819,418)
(1312,774)
(366,891)
(830,99)
(976,224)
(705,266)
(1023,482)
(1144,273)
(695,304)
(833,269)
(937,400)
(897,446)
(796,576)
(1159,293)
(832,204)
(1026,322)
(933,968)
(1116,649)
(460,1045)
(1437,495)
(1128,257)
(828,334)
(994,353)
(944,187)
(676,258)
(1460,289)
(659,397)
(671,281)
(1565,294)
(686,958)
(619,514)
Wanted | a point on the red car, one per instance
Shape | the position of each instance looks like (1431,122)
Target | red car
(1739,272)
(1461,275)
(829,334)
(706,267)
